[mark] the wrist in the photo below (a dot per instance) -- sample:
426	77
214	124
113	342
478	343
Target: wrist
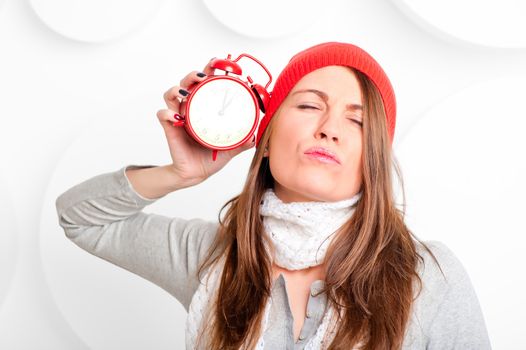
178	182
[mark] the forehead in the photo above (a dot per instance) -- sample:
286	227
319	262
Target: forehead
333	80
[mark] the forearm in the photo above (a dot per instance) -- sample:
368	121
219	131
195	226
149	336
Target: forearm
155	182
103	215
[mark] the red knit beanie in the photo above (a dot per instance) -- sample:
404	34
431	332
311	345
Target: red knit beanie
331	54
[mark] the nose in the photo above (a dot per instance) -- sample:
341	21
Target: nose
329	127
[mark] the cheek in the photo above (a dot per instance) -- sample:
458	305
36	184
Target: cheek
354	171
281	158
354	166
286	138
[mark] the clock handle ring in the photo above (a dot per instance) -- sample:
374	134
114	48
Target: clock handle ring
258	62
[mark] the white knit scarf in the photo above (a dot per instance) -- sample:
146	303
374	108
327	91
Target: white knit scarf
300	233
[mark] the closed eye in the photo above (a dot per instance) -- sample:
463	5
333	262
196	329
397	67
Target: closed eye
312	107
357	122
306	107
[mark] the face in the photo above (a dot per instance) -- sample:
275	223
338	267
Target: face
321	114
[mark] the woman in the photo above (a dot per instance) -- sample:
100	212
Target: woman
313	253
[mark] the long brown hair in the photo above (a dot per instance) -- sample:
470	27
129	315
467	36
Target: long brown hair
371	264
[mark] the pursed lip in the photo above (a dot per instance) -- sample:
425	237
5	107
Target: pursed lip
323	152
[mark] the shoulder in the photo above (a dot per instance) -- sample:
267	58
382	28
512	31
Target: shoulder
442	280
447	313
439	268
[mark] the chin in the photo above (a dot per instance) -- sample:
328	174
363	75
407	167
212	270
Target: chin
308	192
308	184
319	191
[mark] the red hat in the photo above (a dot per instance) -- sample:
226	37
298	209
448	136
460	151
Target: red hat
330	54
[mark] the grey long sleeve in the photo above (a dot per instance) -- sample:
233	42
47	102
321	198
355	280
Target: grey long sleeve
103	215
451	312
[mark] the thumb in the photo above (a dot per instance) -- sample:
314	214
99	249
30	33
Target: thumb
251	142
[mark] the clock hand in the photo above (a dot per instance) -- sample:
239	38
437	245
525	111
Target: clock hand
222	110
224	98
228	103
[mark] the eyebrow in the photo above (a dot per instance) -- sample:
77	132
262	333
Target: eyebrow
325	97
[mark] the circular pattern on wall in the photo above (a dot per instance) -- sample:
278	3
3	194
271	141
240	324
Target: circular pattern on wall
464	168
95	20
496	23
267	19
8	241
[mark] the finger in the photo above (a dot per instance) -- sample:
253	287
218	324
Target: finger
176	136
208	70
191	79
251	142
169	116
173	97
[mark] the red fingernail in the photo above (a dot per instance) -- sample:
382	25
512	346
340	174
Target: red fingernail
179	120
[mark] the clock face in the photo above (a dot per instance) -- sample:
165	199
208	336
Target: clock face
222	112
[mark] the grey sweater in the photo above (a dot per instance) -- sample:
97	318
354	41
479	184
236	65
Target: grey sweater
103	215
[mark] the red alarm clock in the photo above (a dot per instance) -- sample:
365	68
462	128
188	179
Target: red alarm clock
222	111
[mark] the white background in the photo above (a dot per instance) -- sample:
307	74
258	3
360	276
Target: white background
81	81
